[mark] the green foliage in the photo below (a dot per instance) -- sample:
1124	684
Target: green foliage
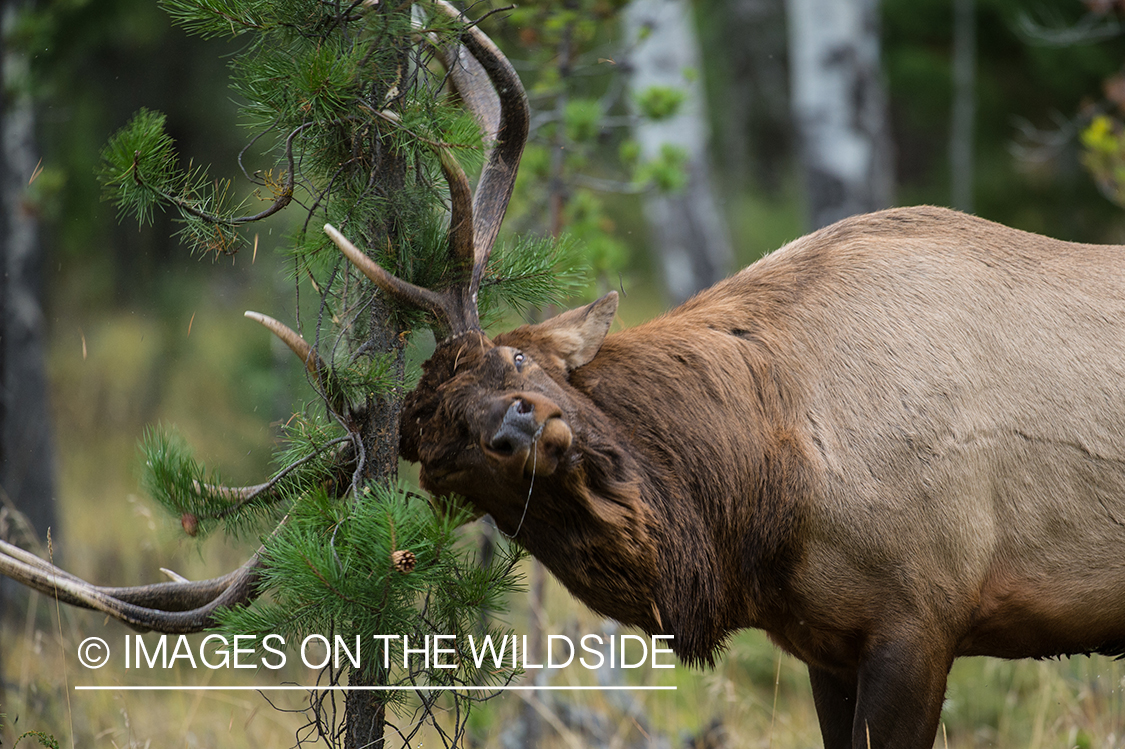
534	272
583	119
44	739
1104	155
667	172
219	18
579	159
139	172
315	91
660	102
141	152
589	223
331	569
348	124
629	152
309	460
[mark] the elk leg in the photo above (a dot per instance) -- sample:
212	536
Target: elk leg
834	694
901	690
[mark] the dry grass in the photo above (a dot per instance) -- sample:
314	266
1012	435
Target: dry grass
760	697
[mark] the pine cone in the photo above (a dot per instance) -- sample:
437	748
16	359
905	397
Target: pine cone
190	523
404	561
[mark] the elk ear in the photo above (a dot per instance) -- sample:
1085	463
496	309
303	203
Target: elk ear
576	335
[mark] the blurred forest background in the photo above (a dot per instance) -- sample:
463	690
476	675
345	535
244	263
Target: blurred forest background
1006	108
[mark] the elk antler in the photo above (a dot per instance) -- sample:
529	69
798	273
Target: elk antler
179	607
291	338
475	222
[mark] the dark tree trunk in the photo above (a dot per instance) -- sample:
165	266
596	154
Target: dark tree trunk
365	711
964	104
27	464
379	334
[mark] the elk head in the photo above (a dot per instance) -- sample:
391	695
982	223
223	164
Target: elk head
508	403
489	418
495	419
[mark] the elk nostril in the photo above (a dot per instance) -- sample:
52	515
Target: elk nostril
517	430
502	444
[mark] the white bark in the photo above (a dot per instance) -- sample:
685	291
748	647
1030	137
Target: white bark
839	107
687	228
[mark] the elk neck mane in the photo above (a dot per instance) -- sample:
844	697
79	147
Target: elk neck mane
681	523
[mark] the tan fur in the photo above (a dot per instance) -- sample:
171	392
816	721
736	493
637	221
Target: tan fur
895	441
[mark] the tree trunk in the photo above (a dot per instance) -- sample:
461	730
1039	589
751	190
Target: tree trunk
748	74
365	711
27	465
687	228
380	334
964	104
839	107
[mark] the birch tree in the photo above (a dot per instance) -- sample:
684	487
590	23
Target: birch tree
839	107
686	224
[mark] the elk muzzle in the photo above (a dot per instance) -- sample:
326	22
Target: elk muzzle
530	435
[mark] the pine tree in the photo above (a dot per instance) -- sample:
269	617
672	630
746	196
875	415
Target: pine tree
346	109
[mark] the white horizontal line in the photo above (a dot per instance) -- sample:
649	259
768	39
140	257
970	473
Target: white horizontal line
314	688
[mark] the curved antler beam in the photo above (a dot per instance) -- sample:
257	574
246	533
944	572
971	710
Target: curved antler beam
170	607
498	178
500	107
470	82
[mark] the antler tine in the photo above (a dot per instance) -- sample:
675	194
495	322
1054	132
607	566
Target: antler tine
461	230
494	189
461	209
171	607
405	292
291	338
475	221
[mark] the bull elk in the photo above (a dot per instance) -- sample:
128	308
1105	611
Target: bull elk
890	443
893	442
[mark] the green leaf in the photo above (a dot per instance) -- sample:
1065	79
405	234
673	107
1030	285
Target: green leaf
660	102
583	119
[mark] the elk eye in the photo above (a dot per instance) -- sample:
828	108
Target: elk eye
519	360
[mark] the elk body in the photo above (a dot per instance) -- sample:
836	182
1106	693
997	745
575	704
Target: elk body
891	443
